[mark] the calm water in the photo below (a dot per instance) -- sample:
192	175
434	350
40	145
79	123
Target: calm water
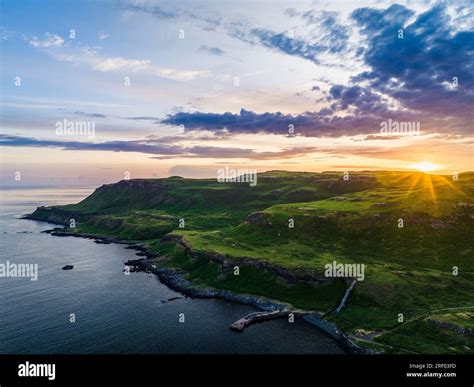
115	313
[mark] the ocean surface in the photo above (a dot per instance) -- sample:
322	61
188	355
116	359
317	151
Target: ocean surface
114	312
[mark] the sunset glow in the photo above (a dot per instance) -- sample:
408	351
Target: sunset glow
308	87
425	166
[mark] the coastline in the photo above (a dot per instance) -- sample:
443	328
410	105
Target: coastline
177	282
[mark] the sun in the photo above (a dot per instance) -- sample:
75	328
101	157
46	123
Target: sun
424	166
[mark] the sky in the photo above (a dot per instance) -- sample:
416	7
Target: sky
94	91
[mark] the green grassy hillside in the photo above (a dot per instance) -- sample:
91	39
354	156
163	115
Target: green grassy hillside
282	232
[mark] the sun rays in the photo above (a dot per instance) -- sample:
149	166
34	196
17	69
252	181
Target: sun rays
429	187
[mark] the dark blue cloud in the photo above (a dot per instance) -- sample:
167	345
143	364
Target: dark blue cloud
331	33
332	39
280	41
322	123
375	21
409	78
245	121
418	69
363	99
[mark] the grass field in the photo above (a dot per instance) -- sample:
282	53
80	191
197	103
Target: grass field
412	231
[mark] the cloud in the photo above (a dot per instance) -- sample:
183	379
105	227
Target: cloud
91	51
206	22
211	50
101	115
103	36
5	34
90	57
410	79
363	99
137	118
156	147
181	75
50	40
244	122
326	28
91	115
146	66
281	42
288	45
324	35
324	123
378	137
311	124
238	153
142	118
142	146
415	70
148	7
122	64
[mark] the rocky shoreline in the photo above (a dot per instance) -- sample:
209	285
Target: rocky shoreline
177	282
